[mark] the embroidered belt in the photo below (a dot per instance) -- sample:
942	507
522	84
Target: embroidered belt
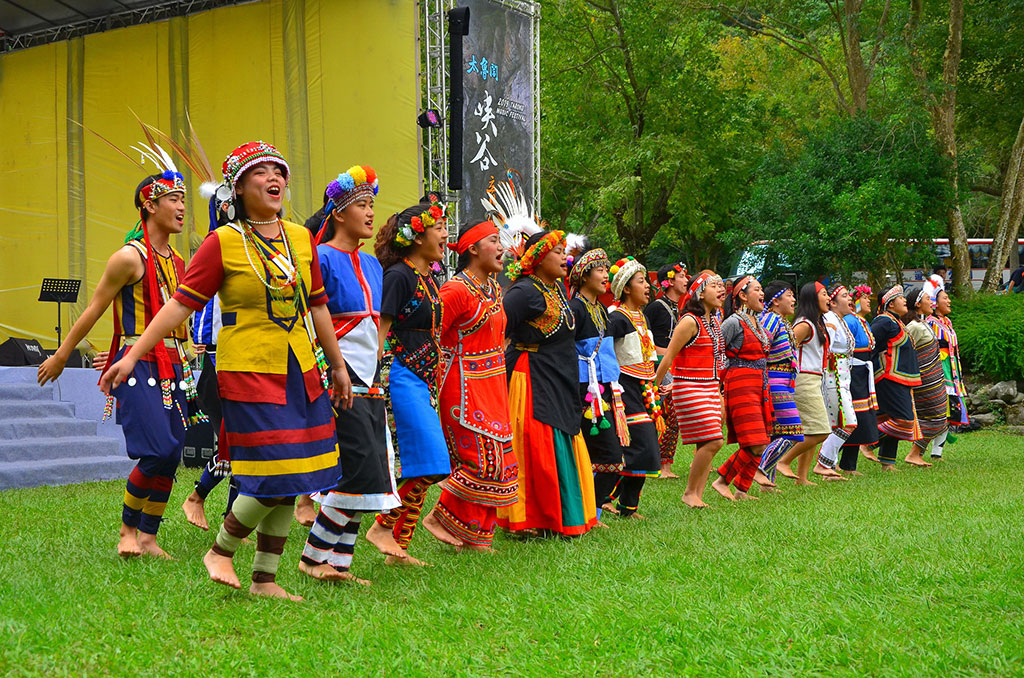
532	348
758	364
169	343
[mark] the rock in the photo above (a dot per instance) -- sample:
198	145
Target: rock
984	419
1003	390
1015	430
1015	415
1019	398
979	406
996	404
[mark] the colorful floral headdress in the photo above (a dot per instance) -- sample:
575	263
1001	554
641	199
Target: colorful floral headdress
355	183
622	272
533	255
406	233
671	274
860	291
584	264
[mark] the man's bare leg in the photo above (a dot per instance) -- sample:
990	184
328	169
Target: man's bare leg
305	511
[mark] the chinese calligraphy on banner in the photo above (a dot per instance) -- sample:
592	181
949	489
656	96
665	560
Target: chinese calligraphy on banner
498	133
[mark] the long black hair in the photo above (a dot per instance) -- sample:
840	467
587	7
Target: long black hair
387	251
913	297
807	308
314	222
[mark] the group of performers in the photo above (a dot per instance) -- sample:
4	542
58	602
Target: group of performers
539	387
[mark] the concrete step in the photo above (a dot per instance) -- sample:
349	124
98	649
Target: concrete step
10	391
22	409
69	447
36	473
45	427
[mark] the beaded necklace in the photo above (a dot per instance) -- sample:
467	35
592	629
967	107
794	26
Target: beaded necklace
639	321
747	318
283	303
490	293
867	330
600	319
428	286
714	330
548	323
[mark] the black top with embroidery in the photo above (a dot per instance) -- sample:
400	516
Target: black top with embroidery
544	331
661	320
414	303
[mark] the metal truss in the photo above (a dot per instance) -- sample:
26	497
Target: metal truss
128	17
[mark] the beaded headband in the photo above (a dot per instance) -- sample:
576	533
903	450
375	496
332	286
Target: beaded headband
247	155
743	283
169	182
835	293
533	255
473	236
775	297
622	272
698	284
356	182
584	264
892	293
406	233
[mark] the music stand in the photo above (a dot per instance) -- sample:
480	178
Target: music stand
61	290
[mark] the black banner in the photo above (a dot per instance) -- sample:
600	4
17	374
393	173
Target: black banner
498	110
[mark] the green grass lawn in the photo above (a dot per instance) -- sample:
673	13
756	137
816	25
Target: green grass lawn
915	573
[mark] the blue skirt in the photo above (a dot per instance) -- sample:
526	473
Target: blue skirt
283	450
151	431
421	446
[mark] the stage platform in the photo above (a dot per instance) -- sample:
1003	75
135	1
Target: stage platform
53	435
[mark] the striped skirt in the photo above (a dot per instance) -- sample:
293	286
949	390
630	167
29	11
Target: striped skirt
283	450
786	423
931	402
698	409
748	413
896	417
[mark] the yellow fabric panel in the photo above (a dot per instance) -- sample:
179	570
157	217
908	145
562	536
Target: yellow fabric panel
229	68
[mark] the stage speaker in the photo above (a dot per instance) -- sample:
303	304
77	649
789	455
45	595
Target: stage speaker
16	352
199	445
458	28
75	360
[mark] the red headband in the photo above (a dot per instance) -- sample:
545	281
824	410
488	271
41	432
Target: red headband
473	236
818	286
739	287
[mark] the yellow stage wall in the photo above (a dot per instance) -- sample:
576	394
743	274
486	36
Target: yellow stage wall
331	83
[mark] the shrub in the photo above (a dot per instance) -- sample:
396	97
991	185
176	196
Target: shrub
991	333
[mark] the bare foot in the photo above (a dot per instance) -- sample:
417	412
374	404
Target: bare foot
771	489
271	589
666	472
823	470
323	571
128	544
785	470
722	488
610	508
854	473
221	569
482	548
600	524
434	527
384	540
635	516
916	460
407	560
305	511
868	454
762	480
806	482
889	467
743	496
147	542
694	502
194	511
348	576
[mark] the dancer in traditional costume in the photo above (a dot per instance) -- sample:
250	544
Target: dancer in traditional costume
271	370
949	354
556	483
696	357
353	281
474	395
410	327
811	341
662	315
836	384
896	374
781	367
931	403
634	349
862	383
603	420
745	385
154	400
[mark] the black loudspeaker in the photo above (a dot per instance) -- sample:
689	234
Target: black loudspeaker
458	28
199	445
75	360
17	352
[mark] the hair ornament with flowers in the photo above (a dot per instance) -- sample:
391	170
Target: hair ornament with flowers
533	255
406	233
860	291
671	274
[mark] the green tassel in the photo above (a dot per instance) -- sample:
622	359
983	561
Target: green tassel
605	424
135	233
593	430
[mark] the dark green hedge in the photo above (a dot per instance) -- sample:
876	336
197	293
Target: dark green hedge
991	333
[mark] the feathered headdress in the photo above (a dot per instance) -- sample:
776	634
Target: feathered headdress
510	211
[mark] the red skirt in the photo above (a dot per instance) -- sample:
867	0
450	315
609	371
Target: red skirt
747	407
